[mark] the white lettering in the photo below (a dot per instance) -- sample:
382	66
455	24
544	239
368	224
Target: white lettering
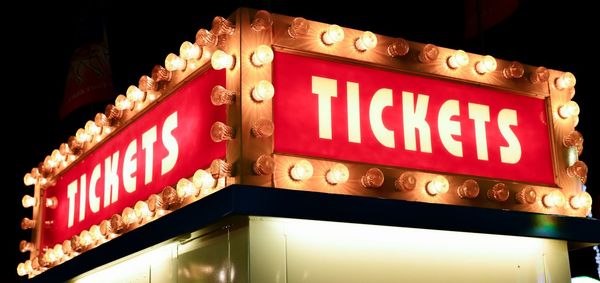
148	140
325	89
381	99
512	153
170	144
82	199
480	114
129	167
414	119
111	179
448	128
71	191
94	200
353	112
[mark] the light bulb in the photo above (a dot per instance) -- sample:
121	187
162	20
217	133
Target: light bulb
539	75
113	114
21	269
134	94
458	59
221	60
49	162
170	197
569	109
28	201
85	239
189	51
262	55
58	157
128	216
221	95
566	80
29	180
146	84
82	136
160	74
299	27
206	38
222	26
366	41
486	65
262	128
66	152
373	178
220	168
333	34
91	129
123	103
95	233
25	246
203	180
58	250
554	199
185	188
174	63
156	203
263	90
437	185
578	170
528	195
141	210
117	224
406	182
27	223
499	192
301	171
574	139
398	47
581	200
514	71
105	228
469	189
66	247
429	53
221	132
337	174
264	165
262	20
28	266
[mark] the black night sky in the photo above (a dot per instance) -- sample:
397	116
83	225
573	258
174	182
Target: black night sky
140	34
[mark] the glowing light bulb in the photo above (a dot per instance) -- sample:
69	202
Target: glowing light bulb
66	247
437	185
566	80
262	91
29	180
123	103
25	246
578	170
581	200
262	55
221	60
264	165
185	188
398	47
429	53
134	94
221	95
58	251
499	192
262	128
574	139
458	59
486	65
91	129
21	271
221	132
206	38
469	189
50	163
170	197
27	223
141	210
373	178
174	63
333	34
128	216
262	20
301	171
95	234
28	201
406	182
203	180
82	136
189	51
539	75
160	74
299	27
58	157
514	71
366	41
554	199
338	174
85	239
220	168
568	110
222	26
527	195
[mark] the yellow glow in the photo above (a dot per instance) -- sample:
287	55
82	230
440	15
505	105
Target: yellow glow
202	180
554	199
186	188
29	180
263	90
95	233
189	51
373	178
85	238
569	109
141	210
82	136
174	63
486	65
333	34
134	94
21	271
262	55
566	80
302	170
57	156
123	103
437	185
581	200
28	201
366	41
221	60
58	251
459	59
338	174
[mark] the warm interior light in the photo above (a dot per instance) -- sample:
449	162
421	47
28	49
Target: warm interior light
459	59
527	195
123	103
96	234
221	132
514	71
263	90
299	27
406	182
185	188
337	174
128	216
29	180
58	157
66	247
398	47
569	109
189	51
469	189
581	200
373	178
27	223
437	185
539	75
203	180
141	210
262	55
264	165
28	201
262	128
134	94
58	251
486	65
366	41
205	38
221	60
566	80
82	136
333	34
499	192
50	163
21	271
301	171
221	95
553	199
429	53
85	238
262	20
578	170
574	139
220	168
174	63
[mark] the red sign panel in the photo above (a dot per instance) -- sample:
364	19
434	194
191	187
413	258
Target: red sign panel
354	113
167	143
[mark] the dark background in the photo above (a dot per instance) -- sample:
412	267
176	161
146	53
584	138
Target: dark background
40	40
